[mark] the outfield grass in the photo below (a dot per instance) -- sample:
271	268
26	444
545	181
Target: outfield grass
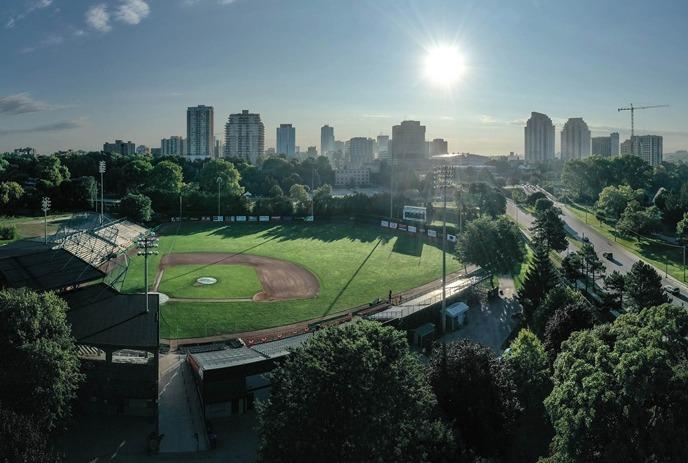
232	281
29	227
659	254
354	264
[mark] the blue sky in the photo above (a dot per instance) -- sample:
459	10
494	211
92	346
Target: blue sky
77	73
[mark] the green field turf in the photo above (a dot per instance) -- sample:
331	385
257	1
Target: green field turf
354	263
29	227
179	281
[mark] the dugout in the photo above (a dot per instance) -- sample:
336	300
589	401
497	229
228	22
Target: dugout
227	380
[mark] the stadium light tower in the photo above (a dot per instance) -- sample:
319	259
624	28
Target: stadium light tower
45	207
444	175
101	170
219	184
147	244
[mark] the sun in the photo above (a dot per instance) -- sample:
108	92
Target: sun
444	65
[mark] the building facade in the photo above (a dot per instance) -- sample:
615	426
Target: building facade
647	147
244	136
539	138
351	177
286	140
173	146
575	139
383	147
200	129
360	152
120	147
614	140
438	146
601	146
408	142
326	140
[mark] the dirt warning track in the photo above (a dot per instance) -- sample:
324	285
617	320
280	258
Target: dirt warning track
281	279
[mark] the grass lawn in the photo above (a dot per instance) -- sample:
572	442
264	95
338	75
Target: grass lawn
355	263
29	227
655	252
520	272
232	281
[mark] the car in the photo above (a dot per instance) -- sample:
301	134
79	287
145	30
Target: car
608	255
585	239
672	290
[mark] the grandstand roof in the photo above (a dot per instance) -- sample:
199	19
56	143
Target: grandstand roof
40	268
100	316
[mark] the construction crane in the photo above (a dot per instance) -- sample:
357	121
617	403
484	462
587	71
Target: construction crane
632	109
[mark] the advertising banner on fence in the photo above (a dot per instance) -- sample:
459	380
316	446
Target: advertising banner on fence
218	218
432	233
276	218
411	229
451	238
402	226
393	225
252	218
264	218
241	218
414	213
384	223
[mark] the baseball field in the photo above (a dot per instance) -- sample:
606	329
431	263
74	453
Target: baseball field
267	275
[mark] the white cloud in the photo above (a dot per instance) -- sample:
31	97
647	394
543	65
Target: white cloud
54	127
226	2
98	18
36	5
132	11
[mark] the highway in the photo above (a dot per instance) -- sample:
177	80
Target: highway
623	259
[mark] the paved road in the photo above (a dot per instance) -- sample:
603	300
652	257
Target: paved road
623	259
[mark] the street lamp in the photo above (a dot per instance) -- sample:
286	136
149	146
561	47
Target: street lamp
443	178
147	244
219	183
101	170
45	207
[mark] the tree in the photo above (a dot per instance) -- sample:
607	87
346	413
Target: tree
592	264
299	194
226	172
638	219
540	278
39	368
493	244
136	207
10	192
548	228
477	391
542	205
528	360
22	440
135	173
275	191
682	229
572	266
166	176
621	390
351	394
556	298
613	200
643	287
615	285
563	322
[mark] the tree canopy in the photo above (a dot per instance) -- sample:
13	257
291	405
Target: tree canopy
351	394
493	244
227	174
643	287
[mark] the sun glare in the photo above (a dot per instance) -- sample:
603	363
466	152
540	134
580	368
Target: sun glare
444	65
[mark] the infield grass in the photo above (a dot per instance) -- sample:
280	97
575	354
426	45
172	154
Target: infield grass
238	281
354	263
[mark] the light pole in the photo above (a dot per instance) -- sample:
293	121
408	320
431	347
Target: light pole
45	207
391	186
219	183
147	245
313	194
101	170
443	175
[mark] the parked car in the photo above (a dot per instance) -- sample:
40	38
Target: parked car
585	239
672	290
608	255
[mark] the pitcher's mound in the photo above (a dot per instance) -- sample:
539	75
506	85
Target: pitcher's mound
280	279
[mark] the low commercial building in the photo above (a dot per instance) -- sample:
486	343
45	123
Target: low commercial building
120	147
352	177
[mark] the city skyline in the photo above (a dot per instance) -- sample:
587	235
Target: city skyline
65	86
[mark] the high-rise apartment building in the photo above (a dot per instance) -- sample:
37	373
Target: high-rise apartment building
575	139
120	147
614	141
312	152
438	146
244	136
408	141
326	140
539	138
200	138
286	140
647	147
360	151
383	147
173	146
601	146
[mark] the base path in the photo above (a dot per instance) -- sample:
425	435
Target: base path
281	279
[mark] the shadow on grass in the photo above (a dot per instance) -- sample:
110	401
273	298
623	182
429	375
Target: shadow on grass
353	276
409	245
